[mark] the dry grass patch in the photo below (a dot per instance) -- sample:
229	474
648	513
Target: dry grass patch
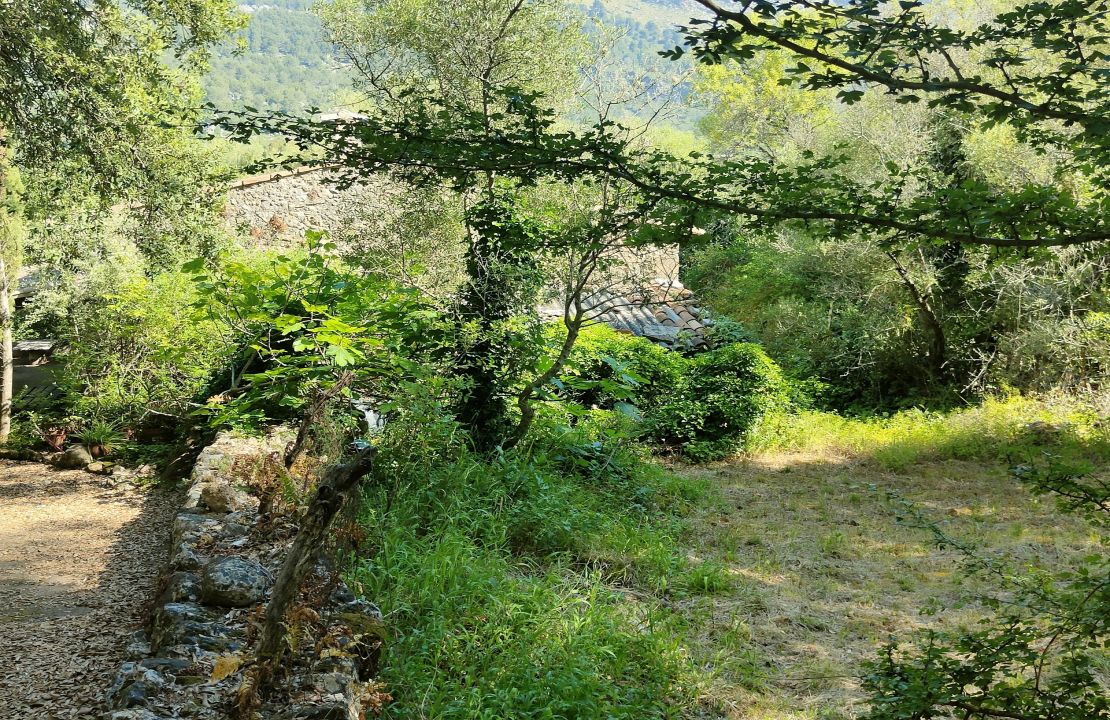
821	572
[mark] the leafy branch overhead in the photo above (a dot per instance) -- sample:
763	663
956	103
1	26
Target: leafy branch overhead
525	140
1042	61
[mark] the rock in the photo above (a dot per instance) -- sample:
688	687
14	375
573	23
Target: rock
222	498
178	624
234	582
368	630
337	664
333	684
234	531
184	559
194	529
133	686
180	628
182	587
220	639
342	708
166	665
139	647
75	458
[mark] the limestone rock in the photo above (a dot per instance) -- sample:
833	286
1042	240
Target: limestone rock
222	498
182	587
133	686
234	582
75	458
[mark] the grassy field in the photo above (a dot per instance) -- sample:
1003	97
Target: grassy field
576	579
809	570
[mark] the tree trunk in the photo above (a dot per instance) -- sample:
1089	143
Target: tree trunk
338	485
6	362
938	343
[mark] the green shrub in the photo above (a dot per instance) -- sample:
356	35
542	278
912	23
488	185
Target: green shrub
706	406
139	348
607	367
722	397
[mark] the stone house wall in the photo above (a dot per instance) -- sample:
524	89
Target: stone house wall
277	208
280	207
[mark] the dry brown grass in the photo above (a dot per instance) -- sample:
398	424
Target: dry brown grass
822	573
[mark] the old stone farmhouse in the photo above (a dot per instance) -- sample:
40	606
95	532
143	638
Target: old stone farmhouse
279	207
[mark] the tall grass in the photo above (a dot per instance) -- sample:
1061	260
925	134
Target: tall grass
530	585
1011	429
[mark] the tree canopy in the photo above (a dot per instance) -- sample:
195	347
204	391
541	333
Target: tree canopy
76	78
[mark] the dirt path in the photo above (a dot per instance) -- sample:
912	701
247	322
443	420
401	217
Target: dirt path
78	560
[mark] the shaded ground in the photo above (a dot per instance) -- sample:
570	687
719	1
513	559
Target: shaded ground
819	573
78	560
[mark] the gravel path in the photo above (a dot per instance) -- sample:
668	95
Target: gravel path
78	562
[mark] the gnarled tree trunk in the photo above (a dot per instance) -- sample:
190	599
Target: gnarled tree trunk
6	362
339	484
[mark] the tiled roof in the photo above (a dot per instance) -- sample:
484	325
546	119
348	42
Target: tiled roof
664	312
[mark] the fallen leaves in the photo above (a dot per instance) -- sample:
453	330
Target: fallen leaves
77	562
226	666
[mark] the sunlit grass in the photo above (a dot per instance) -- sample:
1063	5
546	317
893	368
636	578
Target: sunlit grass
823	571
1013	429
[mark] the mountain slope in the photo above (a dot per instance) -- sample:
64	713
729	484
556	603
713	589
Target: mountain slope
285	63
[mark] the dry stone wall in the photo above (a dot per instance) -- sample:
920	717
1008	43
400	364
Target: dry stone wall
278	208
224	558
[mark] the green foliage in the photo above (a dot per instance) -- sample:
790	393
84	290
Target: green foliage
81	86
280	61
607	367
1013	430
301	323
838	312
705	406
720	402
464	50
13	228
1041	653
101	433
470	556
137	347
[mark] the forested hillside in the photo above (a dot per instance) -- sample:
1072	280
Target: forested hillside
281	60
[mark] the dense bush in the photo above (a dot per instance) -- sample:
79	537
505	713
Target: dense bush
607	367
705	406
135	346
722	397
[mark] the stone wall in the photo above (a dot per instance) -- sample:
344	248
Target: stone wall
223	560
279	207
